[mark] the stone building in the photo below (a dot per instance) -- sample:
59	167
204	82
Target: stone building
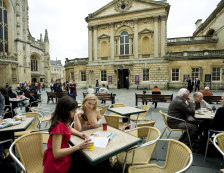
22	57
57	70
128	39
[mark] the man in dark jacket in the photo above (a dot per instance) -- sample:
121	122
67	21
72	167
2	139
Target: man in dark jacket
182	107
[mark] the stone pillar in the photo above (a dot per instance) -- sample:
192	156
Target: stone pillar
95	43
112	41
163	35
136	38
90	44
156	37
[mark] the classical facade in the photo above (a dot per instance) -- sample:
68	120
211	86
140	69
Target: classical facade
22	57
57	70
128	39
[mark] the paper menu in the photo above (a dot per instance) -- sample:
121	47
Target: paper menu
99	141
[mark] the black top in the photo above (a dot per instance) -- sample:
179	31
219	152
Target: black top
217	122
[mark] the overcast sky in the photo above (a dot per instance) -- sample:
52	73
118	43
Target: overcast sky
67	29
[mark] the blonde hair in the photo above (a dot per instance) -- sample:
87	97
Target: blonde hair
89	97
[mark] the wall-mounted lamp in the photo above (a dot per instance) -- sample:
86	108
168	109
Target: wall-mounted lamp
91	71
158	68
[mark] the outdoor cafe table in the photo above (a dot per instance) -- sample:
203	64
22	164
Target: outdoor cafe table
15	102
208	115
126	110
119	143
16	128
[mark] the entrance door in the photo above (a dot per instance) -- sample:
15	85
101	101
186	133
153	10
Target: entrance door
122	74
34	80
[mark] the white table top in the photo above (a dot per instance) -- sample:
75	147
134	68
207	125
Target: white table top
126	111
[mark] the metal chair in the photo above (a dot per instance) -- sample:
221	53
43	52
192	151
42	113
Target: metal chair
8	110
171	130
179	158
30	152
220	139
140	154
210	140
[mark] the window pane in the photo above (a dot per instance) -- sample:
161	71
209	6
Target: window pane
126	49
1	32
121	40
0	15
124	33
6	47
5	17
121	49
126	39
6	33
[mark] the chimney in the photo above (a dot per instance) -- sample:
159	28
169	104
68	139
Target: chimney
198	23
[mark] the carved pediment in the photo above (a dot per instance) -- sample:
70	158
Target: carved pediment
103	36
146	31
118	7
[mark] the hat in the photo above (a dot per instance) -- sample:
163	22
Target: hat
206	88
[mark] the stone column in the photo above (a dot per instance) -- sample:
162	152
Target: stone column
90	45
136	38
112	40
156	37
163	35
95	43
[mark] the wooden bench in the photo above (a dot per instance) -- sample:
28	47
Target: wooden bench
103	96
211	99
55	95
152	98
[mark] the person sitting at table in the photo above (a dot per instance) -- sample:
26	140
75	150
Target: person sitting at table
7	108
182	107
199	102
217	122
57	157
155	90
90	90
206	92
33	100
89	116
11	94
22	96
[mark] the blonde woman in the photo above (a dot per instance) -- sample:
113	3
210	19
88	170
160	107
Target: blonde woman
89	116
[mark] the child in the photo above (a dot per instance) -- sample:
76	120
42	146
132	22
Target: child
89	116
57	157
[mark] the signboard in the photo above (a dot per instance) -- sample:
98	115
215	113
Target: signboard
110	79
207	77
137	79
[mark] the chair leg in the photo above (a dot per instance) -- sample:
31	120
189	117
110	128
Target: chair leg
206	149
163	132
166	141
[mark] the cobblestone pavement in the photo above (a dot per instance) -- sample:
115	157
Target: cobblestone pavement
127	97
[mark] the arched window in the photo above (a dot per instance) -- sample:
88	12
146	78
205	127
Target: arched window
34	64
3	27
124	43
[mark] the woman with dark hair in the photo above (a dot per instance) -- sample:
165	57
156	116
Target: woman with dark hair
57	157
7	108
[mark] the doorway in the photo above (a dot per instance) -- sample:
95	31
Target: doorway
122	74
34	80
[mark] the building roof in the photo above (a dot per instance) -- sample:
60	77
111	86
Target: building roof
56	62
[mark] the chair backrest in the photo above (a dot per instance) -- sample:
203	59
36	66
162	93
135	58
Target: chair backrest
179	156
164	118
143	153
220	139
112	120
30	151
143	132
117	105
103	109
144	114
34	123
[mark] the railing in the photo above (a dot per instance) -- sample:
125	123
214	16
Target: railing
36	43
196	53
191	39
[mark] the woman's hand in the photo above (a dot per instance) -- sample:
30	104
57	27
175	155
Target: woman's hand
83	135
86	144
94	124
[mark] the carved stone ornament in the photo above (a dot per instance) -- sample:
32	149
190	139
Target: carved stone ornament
124	23
123	5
